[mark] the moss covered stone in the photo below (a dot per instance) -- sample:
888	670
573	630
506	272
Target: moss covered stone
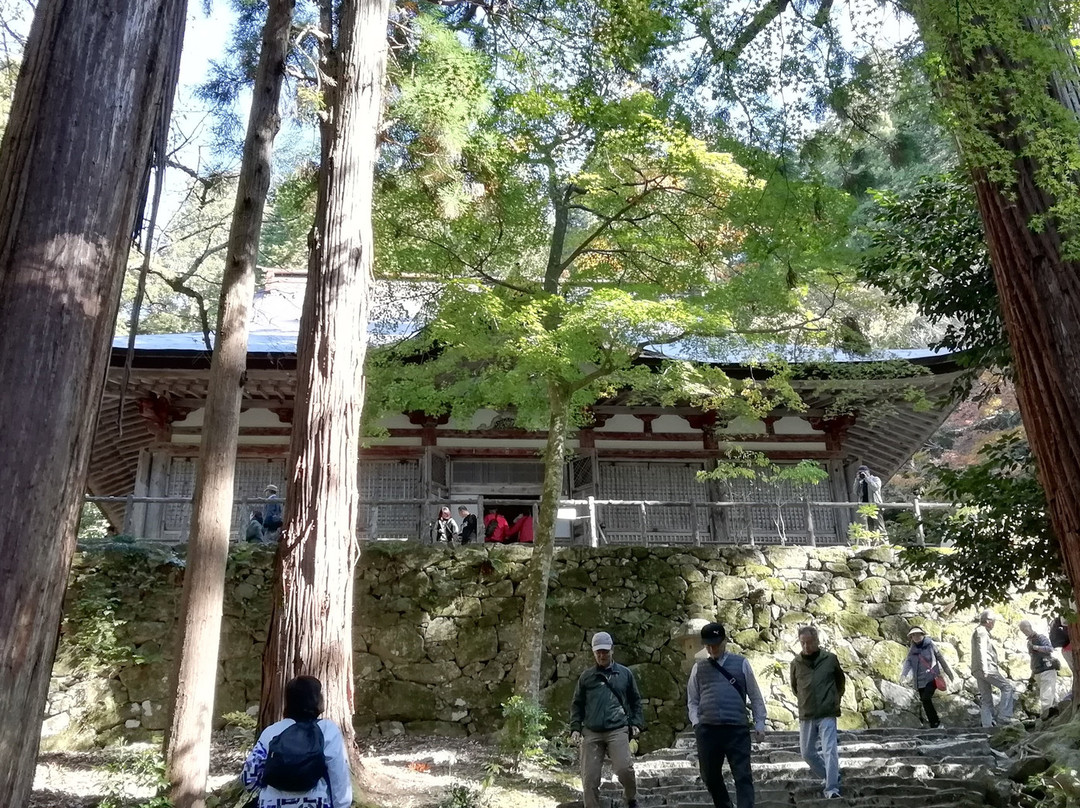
856	624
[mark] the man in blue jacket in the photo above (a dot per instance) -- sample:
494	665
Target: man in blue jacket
604	715
716	696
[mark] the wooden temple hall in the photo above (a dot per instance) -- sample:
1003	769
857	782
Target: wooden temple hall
638	464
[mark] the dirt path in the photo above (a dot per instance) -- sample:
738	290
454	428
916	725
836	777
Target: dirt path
402	772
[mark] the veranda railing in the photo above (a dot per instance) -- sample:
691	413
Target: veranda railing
587	518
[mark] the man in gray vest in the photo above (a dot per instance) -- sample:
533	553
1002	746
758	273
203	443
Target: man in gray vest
716	698
604	715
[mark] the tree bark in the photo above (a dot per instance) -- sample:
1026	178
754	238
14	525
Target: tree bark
188	747
311	622
1038	287
73	163
531	653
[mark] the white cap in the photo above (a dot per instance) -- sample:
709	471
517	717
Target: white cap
601	641
986	615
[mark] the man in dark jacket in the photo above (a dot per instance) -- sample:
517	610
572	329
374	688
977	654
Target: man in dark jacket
716	697
604	715
818	683
468	524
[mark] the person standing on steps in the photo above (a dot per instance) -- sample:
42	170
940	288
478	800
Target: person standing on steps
818	682
987	672
605	715
926	668
1044	667
716	695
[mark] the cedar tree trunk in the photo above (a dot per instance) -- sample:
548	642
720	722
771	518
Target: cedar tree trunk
1039	289
531	653
311	619
73	163
188	747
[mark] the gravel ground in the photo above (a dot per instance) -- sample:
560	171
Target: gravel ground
401	772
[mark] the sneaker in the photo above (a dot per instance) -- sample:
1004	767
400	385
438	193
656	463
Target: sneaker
631	804
832	795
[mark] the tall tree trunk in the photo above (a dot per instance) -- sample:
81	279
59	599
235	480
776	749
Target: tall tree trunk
188	747
1038	286
73	163
531	653
311	622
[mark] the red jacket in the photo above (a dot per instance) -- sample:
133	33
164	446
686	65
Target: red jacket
501	526
523	529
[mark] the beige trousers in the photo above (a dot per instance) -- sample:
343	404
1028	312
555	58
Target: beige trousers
594	746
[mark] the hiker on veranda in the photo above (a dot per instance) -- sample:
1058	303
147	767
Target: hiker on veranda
300	760
926	669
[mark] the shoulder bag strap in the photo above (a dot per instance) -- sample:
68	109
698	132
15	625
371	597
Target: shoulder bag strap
615	692
729	678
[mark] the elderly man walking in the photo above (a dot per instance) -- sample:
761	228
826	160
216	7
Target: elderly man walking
604	715
818	682
1044	667
716	695
987	672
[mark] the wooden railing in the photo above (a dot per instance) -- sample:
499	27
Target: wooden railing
587	519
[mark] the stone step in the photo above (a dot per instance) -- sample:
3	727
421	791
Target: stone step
904	768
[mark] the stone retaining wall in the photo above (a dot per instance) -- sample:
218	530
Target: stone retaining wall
437	633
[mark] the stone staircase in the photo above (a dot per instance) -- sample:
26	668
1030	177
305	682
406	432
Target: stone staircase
880	768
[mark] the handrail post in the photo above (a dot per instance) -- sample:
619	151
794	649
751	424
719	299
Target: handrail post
810	523
920	533
129	505
644	523
594	536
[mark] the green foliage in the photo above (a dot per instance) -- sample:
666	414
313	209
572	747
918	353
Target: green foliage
859	532
522	737
93	625
463	796
1001	540
1003	70
927	249
92	523
240	720
139	768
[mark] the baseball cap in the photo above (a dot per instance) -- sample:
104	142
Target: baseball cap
601	641
988	614
713	633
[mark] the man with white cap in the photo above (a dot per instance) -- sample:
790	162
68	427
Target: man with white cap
716	695
987	672
604	715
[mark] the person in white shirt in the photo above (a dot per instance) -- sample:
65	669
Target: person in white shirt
303	703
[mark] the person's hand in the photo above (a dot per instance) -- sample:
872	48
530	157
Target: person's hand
634	732
575	737
759	735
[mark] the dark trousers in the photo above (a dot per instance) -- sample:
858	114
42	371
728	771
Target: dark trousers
926	694
716	742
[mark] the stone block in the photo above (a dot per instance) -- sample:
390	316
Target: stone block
727	587
429	673
792	558
477	645
401	643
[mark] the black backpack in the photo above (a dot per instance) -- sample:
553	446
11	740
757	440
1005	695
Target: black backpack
295	759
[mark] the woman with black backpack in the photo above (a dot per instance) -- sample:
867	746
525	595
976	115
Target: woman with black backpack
301	755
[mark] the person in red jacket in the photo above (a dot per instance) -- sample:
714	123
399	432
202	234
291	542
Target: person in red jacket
521	530
495	526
